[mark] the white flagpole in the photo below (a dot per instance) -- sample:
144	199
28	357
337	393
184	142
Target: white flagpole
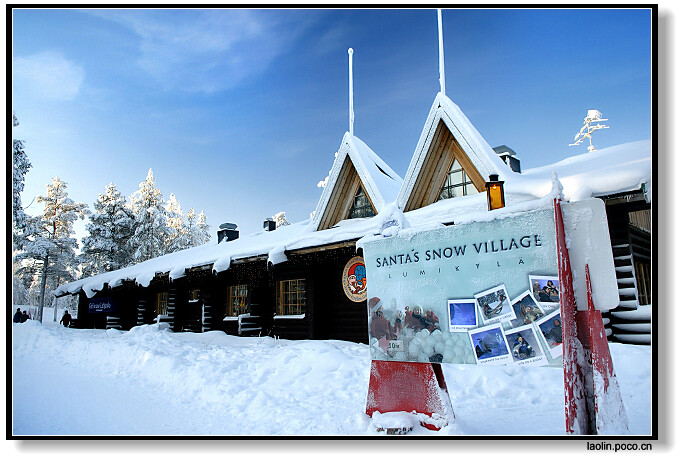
441	52
351	93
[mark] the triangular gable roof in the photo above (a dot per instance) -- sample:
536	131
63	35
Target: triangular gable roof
473	145
380	183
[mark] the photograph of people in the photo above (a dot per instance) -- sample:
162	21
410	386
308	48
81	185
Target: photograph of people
494	305
526	309
546	290
552	331
525	346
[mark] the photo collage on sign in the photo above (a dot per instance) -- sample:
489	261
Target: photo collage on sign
415	333
523	331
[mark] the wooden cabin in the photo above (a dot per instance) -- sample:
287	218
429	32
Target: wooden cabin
294	282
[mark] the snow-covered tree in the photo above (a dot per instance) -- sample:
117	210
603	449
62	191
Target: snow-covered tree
280	220
178	235
20	166
151	232
49	249
202	228
20	293
196	228
111	226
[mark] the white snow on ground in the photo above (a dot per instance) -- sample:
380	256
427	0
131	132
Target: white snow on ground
150	381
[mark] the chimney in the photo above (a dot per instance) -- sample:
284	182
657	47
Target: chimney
508	156
269	225
227	231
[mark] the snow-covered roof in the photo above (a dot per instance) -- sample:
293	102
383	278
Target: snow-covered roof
612	170
473	144
379	180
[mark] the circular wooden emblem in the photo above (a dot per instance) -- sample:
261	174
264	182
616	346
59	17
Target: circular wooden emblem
354	279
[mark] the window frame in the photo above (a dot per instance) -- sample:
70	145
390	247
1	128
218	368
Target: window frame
162	303
456	188
358	211
242	300
299	291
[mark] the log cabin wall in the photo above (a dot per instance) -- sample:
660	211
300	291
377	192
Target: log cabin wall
126	316
632	257
253	274
330	313
293	328
327	312
85	318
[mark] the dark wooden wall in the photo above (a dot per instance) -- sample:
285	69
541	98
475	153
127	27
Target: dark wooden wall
329	313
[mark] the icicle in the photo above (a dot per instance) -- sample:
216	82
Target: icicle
441	53
351	93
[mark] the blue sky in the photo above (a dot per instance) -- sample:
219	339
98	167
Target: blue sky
239	112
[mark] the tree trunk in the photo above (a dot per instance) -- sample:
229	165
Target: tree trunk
54	303
43	282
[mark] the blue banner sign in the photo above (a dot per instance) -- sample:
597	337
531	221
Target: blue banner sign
102	305
476	293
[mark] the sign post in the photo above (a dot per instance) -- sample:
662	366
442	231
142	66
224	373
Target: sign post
410	387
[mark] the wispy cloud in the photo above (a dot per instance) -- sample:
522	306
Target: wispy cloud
48	75
208	50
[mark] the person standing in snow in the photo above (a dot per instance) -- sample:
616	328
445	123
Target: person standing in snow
24	316
17	317
66	319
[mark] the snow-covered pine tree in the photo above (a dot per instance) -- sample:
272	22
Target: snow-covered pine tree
149	239
20	293
196	228
48	249
111	226
203	228
20	166
177	239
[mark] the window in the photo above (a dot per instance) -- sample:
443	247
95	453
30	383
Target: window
291	297
162	303
643	279
457	183
237	300
194	295
361	207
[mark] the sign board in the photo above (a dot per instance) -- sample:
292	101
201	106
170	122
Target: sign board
477	293
354	279
102	305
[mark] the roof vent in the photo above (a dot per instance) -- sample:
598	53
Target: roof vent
227	231
508	156
269	225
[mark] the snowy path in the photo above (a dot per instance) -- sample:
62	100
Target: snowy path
152	382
